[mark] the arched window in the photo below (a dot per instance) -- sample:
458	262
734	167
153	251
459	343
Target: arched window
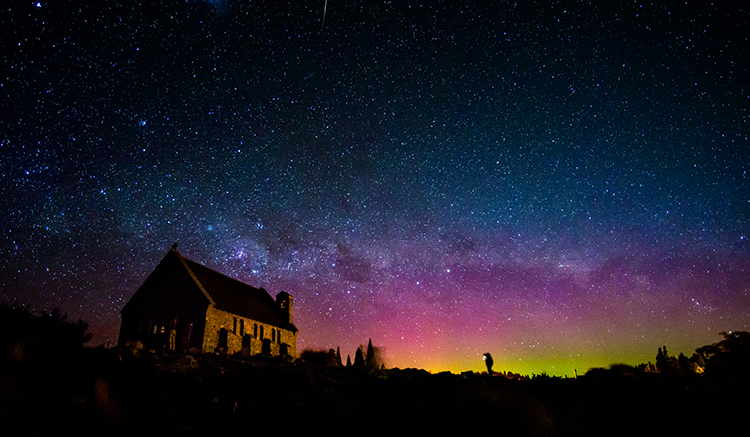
222	346
261	332
255	330
273	335
242	327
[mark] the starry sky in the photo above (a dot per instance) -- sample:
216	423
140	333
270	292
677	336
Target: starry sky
562	184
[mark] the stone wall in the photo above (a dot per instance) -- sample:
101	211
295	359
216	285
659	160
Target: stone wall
216	320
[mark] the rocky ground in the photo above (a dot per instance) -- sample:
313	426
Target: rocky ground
98	393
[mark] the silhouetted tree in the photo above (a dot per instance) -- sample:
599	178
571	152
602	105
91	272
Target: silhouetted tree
665	363
374	357
338	356
348	361
370	359
359	359
729	358
683	364
63	334
488	361
25	337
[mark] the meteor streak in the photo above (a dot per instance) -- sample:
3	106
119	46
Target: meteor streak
325	7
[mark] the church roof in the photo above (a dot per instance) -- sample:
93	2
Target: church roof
233	296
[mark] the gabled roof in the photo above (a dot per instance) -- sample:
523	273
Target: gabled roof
235	297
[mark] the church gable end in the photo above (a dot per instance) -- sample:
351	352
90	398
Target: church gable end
167	311
183	304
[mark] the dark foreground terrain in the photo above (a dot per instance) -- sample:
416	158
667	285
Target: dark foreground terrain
98	393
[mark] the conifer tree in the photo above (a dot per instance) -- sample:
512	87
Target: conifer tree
664	361
370	359
359	359
338	356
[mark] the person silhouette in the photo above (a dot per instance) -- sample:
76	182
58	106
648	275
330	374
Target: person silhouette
488	362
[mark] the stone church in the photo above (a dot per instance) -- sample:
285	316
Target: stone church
183	305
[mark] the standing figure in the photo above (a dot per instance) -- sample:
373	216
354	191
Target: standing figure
488	362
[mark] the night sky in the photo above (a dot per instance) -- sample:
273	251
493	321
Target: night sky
562	184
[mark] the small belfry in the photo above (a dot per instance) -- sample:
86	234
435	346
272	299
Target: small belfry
184	305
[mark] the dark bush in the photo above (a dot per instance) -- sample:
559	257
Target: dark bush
26	338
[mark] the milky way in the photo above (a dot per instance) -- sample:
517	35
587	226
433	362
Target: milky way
563	186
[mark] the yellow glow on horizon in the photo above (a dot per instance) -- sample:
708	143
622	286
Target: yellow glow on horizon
562	366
